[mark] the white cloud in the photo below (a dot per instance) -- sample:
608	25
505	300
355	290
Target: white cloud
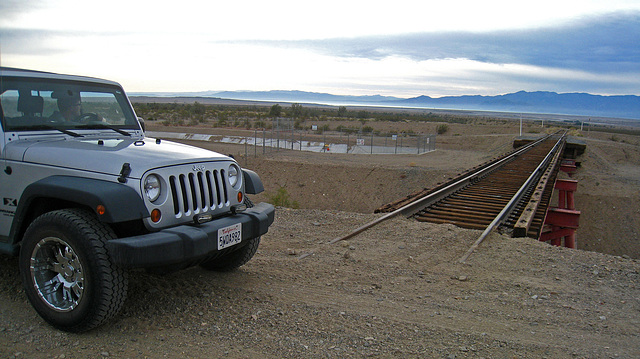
292	19
195	46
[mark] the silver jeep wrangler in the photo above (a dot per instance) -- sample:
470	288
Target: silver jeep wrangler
84	196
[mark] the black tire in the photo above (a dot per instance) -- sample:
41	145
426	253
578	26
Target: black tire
67	273
233	260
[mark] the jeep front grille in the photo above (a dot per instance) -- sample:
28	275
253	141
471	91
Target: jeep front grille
198	192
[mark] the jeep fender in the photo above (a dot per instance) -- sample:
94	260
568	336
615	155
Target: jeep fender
252	182
121	203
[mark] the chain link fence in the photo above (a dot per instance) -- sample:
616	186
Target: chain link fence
283	136
267	141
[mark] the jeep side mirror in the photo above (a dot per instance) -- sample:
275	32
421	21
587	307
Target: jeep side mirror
141	121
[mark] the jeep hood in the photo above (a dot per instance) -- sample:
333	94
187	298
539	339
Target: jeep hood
107	156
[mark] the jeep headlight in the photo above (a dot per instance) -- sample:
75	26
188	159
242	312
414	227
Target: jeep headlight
152	187
234	175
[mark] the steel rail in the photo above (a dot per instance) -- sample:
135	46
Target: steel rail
525	221
533	178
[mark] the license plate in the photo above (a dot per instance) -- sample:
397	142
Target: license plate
229	236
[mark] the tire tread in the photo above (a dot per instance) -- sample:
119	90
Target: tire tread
113	283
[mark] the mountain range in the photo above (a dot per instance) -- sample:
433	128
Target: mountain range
544	102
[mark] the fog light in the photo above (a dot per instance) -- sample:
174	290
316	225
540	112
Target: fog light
156	215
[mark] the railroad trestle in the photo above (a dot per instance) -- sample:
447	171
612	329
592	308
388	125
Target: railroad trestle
512	194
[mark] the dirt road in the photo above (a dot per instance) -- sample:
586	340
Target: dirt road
396	291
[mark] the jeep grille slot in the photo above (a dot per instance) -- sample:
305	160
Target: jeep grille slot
202	186
184	194
195	201
224	185
214	187
197	192
174	194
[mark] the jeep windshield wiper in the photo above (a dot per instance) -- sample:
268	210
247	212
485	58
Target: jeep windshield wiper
98	126
66	132
46	127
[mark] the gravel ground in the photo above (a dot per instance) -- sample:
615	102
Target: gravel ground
396	290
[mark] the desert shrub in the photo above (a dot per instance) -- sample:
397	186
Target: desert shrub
221	122
323	128
367	129
281	198
442	128
275	111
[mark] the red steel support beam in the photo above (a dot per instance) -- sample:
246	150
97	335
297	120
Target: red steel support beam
566	185
555	234
565	192
568	168
563	220
566	218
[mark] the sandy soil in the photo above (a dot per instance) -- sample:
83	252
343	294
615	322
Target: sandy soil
397	290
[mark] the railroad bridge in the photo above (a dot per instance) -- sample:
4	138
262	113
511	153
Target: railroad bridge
512	193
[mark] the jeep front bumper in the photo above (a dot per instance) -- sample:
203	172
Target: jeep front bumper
187	243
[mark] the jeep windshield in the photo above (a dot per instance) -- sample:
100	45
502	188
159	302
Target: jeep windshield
36	104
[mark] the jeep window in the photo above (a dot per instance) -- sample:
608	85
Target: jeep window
29	104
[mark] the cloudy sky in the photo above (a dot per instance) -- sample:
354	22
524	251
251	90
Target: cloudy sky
395	48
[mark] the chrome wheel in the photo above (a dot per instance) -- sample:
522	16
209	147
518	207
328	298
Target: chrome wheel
57	274
66	270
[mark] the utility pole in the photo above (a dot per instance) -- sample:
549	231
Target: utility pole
520	124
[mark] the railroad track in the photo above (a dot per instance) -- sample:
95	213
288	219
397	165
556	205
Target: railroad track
511	193
475	198
477	205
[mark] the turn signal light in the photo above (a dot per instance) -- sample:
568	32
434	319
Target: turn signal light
240	197
156	215
101	210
